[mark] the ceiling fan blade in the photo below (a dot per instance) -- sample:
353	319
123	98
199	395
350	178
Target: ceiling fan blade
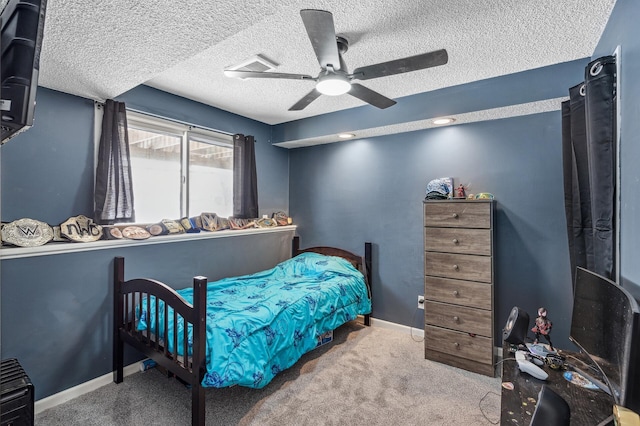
399	66
370	97
306	100
257	74
322	33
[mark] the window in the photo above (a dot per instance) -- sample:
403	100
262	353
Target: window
178	170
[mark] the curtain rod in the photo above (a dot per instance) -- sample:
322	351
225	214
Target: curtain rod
100	104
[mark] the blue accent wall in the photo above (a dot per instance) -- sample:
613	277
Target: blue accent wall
372	190
56	310
47	171
622	30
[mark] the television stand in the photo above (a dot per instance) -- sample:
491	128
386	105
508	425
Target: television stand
588	407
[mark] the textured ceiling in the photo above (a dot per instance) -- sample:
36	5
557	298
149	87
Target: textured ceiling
100	49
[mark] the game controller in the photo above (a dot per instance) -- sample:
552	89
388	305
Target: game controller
527	366
537	360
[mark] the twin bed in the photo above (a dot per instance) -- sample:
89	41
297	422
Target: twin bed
240	330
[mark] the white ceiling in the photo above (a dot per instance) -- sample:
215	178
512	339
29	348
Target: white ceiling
102	48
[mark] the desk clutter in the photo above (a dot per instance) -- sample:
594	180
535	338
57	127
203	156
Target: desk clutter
27	232
562	396
569	388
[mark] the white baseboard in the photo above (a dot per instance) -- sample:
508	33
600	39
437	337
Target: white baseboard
76	391
397	327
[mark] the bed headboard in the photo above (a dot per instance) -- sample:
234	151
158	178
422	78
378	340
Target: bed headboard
363	264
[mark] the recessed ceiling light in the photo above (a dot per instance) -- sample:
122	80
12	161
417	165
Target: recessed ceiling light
346	135
441	121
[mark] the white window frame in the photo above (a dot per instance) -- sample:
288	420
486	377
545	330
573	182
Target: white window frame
165	125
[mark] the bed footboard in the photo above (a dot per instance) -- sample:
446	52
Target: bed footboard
135	296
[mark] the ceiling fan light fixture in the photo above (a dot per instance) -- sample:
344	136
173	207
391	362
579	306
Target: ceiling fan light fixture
333	85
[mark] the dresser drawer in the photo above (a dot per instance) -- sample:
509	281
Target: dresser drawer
459	266
458	240
459	344
463	214
460	318
459	292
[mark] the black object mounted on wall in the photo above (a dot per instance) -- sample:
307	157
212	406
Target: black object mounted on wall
22	23
515	330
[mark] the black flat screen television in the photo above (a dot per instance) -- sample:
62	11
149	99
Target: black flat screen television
605	325
22	23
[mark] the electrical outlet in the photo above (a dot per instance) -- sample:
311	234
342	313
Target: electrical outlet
420	302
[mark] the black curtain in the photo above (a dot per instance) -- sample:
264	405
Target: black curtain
245	179
589	153
113	194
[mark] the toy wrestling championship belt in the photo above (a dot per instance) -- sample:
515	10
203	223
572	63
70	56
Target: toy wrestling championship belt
135	233
213	222
165	227
189	225
80	229
111	233
27	233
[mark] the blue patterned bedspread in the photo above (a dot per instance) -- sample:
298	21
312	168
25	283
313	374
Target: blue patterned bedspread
261	324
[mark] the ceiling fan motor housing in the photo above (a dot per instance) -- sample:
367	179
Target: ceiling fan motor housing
343	44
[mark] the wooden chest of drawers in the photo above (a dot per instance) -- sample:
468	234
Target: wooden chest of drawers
458	283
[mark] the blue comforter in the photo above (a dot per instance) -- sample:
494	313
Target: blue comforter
261	324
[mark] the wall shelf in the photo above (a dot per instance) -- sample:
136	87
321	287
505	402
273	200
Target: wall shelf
7	253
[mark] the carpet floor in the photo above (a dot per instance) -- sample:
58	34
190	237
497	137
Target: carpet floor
366	376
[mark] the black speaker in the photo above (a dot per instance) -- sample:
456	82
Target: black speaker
516	327
551	409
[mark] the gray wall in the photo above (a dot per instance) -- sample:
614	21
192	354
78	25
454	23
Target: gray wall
372	190
622	30
56	310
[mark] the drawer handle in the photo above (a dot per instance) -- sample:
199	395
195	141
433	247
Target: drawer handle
456	345
455	241
456	319
455	215
456	267
456	292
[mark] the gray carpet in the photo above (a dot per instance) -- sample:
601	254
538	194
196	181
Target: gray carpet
366	376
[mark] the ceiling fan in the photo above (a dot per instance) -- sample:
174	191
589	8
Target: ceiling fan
334	78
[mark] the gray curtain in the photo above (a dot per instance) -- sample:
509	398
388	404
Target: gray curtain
113	194
589	161
245	179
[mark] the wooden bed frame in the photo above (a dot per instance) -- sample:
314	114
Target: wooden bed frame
132	294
